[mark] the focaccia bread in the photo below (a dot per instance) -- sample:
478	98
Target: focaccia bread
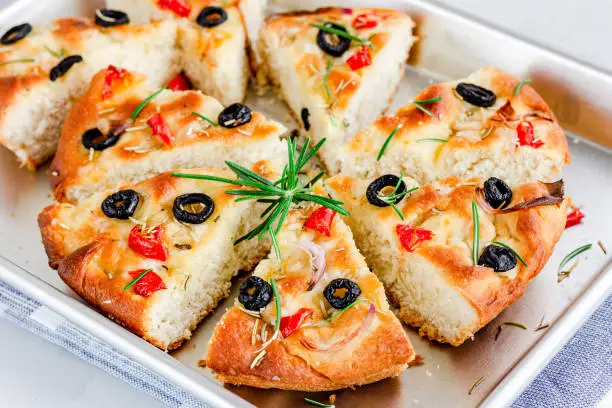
488	124
102	147
336	328
41	73
182	230
443	283
336	85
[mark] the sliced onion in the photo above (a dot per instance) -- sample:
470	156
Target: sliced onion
367	322
555	196
317	261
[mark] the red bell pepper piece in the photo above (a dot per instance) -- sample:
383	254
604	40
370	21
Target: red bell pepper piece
149	283
526	136
161	129
320	220
112	74
179	83
574	218
361	58
410	236
365	20
289	324
179	7
150	245
347	11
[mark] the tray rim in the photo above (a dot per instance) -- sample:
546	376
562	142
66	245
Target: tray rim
503	393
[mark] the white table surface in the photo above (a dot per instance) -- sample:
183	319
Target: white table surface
35	373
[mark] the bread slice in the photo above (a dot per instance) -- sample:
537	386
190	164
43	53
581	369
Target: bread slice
431	275
92	254
336	101
363	344
461	139
78	172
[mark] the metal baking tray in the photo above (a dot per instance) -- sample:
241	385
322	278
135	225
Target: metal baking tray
450	46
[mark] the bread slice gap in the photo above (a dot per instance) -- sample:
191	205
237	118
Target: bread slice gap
426	260
94	255
194	138
328	348
335	95
517	138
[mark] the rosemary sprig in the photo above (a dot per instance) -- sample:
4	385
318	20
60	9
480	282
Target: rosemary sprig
18	61
520	85
384	146
318	404
515	324
280	195
476	239
574	254
199	115
144	103
330	64
339	312
476	384
512	250
136	279
419	104
431	139
277	304
341	33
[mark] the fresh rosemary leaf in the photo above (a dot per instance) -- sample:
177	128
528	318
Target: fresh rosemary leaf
339	312
145	102
17	61
513	251
520	85
318	404
199	115
515	324
476	384
341	33
419	104
476	239
330	63
277	304
387	141
136	279
431	139
574	254
316	178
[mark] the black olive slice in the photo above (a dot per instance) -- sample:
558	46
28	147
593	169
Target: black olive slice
211	17
499	258
476	95
63	66
255	293
234	115
95	139
341	292
120	205
17	33
497	193
333	44
305	114
375	187
110	18
182	215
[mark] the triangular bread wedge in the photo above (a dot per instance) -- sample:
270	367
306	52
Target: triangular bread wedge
517	138
98	257
33	106
141	151
334	96
318	347
426	260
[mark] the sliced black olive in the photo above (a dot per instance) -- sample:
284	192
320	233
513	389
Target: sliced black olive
333	44
95	139
121	204
476	95
499	258
305	115
182	215
386	181
341	292
211	17
109	18
255	293
497	192
234	115
14	34
63	66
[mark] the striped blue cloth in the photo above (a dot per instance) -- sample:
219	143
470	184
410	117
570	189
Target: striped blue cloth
579	376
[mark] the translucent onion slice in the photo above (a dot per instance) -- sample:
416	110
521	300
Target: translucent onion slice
555	196
317	261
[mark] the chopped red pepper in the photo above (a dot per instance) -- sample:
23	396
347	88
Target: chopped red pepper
289	324
179	83
347	11
320	220
410	236
150	245
149	283
526	136
112	74
365	20
161	129
574	218
361	58
179	7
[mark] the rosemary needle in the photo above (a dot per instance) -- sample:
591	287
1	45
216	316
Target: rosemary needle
318	404
145	102
387	141
341	33
136	279
22	60
520	85
419	104
515	324
512	250
476	238
277	304
330	63
199	115
574	254
476	384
